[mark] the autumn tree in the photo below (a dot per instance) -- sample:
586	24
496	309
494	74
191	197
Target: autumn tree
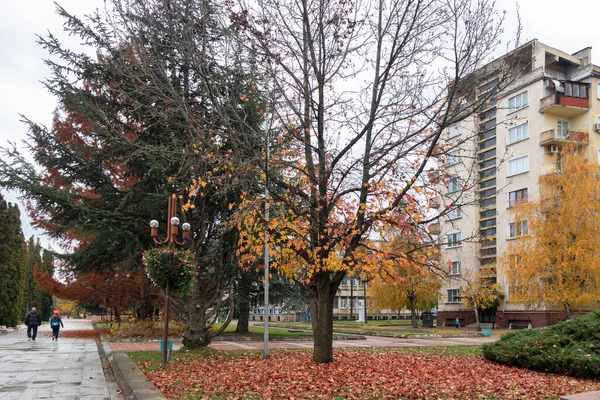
480	292
554	262
12	264
361	95
407	279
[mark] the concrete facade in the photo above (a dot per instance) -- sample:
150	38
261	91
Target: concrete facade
511	142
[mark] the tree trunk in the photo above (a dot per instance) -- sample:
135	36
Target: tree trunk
244	310
321	309
567	309
196	334
413	312
476	314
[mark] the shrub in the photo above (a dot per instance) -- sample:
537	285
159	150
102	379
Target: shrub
570	347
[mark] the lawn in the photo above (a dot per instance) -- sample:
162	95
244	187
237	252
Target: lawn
382	373
380	328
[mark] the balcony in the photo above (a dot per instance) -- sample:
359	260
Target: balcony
564	106
554	136
434	229
435	202
549	169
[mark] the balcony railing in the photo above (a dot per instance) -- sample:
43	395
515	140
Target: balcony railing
434	228
558	103
554	136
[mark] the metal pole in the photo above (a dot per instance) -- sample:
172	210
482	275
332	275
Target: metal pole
166	327
266	335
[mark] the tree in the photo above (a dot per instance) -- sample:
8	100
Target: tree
407	279
361	95
12	264
146	117
480	292
555	260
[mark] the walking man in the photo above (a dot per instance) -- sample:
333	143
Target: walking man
56	323
32	319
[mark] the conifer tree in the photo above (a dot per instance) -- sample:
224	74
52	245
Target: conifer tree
12	264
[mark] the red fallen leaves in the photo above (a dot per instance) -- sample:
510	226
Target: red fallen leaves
356	374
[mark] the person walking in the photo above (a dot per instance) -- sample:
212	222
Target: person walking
457	322
33	319
56	323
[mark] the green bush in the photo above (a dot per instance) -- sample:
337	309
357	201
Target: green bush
570	347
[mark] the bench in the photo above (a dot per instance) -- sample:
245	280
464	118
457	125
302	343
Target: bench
519	324
452	321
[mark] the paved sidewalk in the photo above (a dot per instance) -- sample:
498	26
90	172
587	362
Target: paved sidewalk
67	369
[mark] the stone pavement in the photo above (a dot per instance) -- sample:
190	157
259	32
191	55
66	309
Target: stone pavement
67	369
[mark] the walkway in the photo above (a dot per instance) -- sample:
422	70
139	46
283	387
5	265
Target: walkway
67	369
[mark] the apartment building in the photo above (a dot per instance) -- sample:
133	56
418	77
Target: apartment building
513	140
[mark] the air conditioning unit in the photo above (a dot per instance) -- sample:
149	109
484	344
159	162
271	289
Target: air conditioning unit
597	127
552	149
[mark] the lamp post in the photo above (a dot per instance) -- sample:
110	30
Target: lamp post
266	333
172	231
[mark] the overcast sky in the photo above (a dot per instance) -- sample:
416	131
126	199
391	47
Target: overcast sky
566	25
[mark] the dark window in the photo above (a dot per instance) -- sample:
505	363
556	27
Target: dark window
487	214
488	202
487	193
487	173
488	134
488	163
487	223
488	125
516	197
487	154
487	143
486	184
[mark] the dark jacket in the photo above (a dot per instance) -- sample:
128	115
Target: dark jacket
56	318
33	318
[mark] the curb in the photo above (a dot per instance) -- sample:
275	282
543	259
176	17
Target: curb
133	383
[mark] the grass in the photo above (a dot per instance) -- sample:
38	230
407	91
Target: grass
358	328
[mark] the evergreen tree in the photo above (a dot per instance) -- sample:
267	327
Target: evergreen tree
32	296
12	264
46	299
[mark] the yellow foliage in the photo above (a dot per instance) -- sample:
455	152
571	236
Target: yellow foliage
557	262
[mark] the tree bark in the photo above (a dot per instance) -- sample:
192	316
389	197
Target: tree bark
321	309
243	319
567	309
413	311
196	334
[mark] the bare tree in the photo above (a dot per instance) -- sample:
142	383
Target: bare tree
363	91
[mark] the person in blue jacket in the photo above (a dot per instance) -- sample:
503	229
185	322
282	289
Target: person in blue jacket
33	319
56	323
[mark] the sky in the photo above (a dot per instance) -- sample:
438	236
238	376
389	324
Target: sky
567	26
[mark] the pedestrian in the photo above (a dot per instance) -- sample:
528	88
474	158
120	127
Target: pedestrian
457	322
56	323
32	319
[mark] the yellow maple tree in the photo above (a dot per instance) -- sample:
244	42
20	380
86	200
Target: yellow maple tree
555	262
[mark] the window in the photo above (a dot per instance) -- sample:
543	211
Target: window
573	89
517	102
517	197
518	133
453	296
454	129
598	91
518	165
490	85
454	239
343	302
562	128
335	302
517	229
455	213
453	157
454	185
454	267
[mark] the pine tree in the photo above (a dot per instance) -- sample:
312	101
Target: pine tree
12	264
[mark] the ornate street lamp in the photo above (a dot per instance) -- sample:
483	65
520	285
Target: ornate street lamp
171	239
